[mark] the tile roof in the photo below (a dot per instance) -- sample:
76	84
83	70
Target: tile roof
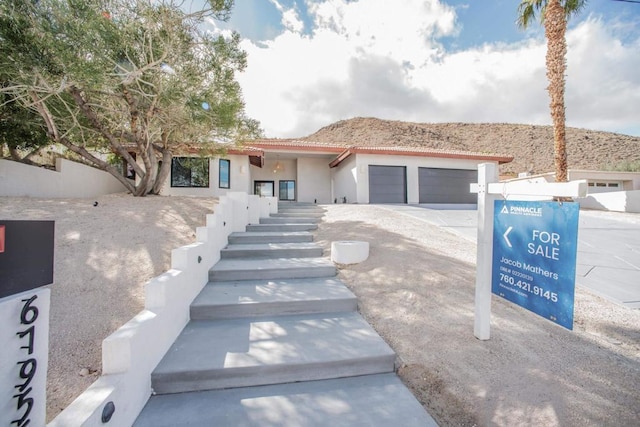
250	151
295	144
345	151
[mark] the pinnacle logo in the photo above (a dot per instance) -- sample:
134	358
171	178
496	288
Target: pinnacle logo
521	210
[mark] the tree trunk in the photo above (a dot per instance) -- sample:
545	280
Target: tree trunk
555	25
142	184
165	168
100	164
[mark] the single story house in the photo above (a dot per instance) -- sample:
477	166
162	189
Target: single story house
597	181
303	171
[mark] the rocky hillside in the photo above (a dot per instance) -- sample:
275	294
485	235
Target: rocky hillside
531	146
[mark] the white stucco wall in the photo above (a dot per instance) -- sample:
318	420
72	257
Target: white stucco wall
69	180
412	164
344	179
629	180
131	353
314	180
240	179
618	201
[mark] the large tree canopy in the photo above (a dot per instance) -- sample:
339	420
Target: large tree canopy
124	77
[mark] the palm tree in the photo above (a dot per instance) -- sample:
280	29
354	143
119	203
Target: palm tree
554	15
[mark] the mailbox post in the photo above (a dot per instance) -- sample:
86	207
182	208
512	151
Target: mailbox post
26	265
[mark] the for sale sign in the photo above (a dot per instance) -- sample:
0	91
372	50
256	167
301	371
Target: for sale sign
534	256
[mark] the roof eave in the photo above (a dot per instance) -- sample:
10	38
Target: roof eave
448	155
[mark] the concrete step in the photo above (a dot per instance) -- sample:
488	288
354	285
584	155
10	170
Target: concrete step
252	298
277	268
310	206
272	250
297	215
281	227
210	355
371	400
301	211
270	237
290	220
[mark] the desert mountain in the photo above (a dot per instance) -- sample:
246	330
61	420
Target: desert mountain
531	146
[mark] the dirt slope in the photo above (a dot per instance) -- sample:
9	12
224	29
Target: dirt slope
532	146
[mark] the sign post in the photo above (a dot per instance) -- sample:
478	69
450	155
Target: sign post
487	173
26	264
489	190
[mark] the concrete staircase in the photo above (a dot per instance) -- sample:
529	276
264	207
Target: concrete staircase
275	340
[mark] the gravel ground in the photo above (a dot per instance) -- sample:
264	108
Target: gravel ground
416	289
103	257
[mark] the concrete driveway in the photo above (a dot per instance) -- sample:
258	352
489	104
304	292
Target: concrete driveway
608	260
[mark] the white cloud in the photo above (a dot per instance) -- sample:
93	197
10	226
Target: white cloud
290	19
383	59
603	78
403	30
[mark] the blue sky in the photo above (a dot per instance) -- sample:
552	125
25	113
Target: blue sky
314	62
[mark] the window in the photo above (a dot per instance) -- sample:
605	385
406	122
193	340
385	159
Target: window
189	172
287	190
263	188
605	184
224	174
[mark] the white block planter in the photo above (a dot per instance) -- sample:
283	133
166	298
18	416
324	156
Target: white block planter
349	251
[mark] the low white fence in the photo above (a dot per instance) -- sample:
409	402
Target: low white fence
69	180
130	354
617	201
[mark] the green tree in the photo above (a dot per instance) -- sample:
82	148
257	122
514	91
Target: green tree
554	15
21	131
126	77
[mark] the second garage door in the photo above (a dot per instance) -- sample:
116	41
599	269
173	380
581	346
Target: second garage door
446	185
387	184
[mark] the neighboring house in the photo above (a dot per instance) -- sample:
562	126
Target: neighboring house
607	190
607	181
597	181
304	171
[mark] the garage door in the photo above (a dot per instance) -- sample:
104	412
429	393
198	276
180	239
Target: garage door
387	184
446	185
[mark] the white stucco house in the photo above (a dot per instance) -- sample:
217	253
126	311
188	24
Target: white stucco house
304	171
597	181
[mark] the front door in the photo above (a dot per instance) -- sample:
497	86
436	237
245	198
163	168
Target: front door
287	190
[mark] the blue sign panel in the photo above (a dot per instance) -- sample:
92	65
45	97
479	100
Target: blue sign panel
534	256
